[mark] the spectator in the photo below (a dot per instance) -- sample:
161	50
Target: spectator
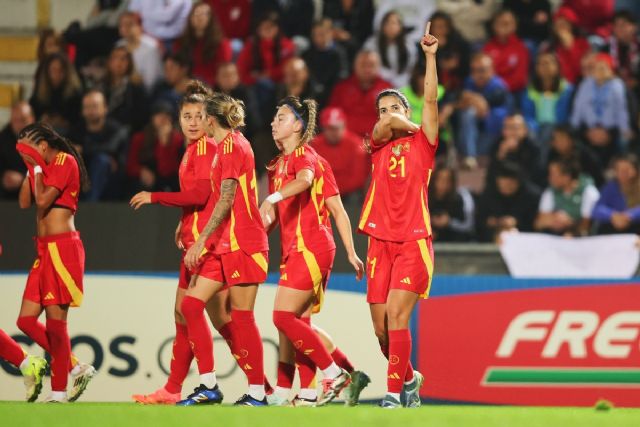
412	13
594	17
397	53
534	19
295	17
163	20
204	43
509	53
352	22
12	168
567	43
123	88
103	142
326	59
470	17
296	81
480	109
414	92
510	204
177	73
600	110
155	152
234	17
144	49
228	81
50	42
57	93
624	47
566	205
563	146
451	207
344	152
618	210
517	147
357	93
547	101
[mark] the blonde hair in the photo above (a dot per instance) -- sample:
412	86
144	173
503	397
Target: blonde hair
228	111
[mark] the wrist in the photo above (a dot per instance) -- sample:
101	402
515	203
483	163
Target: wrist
274	198
37	169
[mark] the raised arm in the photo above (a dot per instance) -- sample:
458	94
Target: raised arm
429	123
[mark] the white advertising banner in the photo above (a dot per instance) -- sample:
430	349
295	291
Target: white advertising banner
534	255
125	328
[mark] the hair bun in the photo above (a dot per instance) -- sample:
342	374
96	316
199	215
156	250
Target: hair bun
196	87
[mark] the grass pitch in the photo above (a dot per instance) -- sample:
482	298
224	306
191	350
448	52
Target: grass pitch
129	414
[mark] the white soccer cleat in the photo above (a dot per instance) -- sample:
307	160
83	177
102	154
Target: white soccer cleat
80	380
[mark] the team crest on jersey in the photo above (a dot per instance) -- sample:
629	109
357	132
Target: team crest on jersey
399	148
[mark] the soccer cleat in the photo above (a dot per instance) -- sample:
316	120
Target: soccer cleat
274	400
52	399
33	374
411	391
203	396
302	402
80	381
331	388
390	402
359	381
247	400
158	397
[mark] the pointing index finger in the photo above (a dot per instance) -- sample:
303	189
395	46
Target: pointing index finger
426	32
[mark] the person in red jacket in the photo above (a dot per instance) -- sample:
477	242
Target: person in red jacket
358	92
234	16
594	17
509	53
204	43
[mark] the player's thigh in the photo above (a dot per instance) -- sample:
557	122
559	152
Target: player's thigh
57	312
400	305
218	309
202	288
30	309
243	297
293	300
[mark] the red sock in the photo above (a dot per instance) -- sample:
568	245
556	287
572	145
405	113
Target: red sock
302	337
10	350
249	353
34	330
306	367
180	360
60	353
342	360
225	332
409	375
286	372
267	386
399	354
199	333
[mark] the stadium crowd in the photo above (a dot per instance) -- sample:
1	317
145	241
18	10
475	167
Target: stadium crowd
542	98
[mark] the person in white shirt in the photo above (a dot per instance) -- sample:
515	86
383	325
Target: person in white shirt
164	20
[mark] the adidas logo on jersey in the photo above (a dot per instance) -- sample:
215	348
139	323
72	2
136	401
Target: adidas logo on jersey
308	352
394	376
49	296
247	367
235	275
406	281
284	277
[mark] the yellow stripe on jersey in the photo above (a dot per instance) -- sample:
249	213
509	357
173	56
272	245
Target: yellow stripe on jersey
425	212
60	158
260	259
201	149
428	262
227	147
233	240
316	189
245	192
58	265
299	151
254	186
195	232
367	207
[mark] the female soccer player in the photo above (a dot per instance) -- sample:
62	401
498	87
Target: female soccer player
32	368
55	280
239	259
307	244
396	218
196	202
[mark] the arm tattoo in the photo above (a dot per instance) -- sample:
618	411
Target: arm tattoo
222	208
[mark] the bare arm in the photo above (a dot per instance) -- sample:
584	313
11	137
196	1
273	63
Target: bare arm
384	128
44	195
429	46
334	204
303	181
24	198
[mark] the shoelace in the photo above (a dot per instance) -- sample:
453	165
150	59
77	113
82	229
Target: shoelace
198	390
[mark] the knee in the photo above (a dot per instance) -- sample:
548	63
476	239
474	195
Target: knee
24	324
191	307
282	318
397	317
177	314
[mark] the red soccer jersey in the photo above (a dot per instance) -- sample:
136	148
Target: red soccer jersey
396	207
243	229
301	219
63	174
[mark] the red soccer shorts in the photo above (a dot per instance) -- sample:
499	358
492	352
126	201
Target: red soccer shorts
235	268
56	275
308	271
206	270
398	265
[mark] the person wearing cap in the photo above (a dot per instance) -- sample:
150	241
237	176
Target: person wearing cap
155	153
600	110
343	150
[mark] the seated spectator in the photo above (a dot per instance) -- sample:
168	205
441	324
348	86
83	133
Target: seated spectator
470	17
414	92
517	147
566	205
534	19
146	52
397	53
352	23
509	53
344	152
234	17
600	110
624	47
510	204
547	101
327	60
358	93
296	81
12	168
177	73
57	93
451	207
295	17
228	81
618	210
123	89
163	20
103	143
479	110
50	42
413	13
155	153
203	42
567	43
564	146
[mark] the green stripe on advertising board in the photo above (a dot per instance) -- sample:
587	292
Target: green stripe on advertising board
563	376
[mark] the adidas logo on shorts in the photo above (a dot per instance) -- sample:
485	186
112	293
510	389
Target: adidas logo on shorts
235	275
406	281
49	296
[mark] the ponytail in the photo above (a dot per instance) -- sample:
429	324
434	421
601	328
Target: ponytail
306	111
